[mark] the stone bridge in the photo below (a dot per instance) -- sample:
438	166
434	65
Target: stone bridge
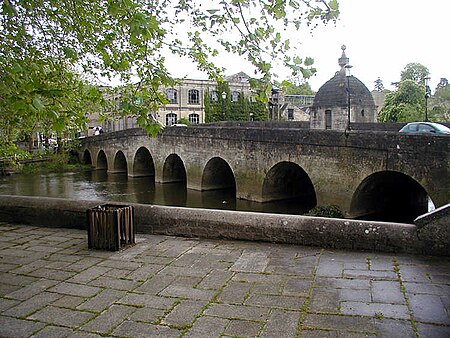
368	174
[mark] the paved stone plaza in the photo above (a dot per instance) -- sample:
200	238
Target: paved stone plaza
51	285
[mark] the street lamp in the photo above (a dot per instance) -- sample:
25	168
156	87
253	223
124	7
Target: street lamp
427	95
347	74
224	96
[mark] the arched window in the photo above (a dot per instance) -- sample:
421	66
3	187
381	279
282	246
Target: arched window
171	119
172	96
194	118
193	96
234	96
214	96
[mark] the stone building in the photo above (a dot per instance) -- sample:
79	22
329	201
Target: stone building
342	100
186	101
378	98
289	107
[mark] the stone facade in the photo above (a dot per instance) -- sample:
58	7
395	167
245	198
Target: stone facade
186	101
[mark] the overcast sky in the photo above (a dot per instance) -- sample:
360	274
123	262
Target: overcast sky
381	36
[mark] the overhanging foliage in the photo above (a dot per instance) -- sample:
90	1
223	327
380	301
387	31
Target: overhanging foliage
52	51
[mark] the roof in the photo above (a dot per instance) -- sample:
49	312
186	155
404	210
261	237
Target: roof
334	93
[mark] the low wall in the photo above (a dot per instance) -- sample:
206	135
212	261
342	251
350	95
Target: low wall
220	224
433	230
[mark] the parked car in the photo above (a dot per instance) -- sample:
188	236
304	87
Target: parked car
425	128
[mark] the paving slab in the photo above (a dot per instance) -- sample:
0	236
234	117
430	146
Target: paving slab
52	285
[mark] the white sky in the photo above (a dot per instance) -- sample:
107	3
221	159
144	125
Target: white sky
382	37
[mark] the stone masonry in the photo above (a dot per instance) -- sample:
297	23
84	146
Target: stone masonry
51	285
336	164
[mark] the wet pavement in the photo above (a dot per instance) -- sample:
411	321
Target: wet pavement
52	285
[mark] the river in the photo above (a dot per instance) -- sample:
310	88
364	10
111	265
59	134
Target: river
98	185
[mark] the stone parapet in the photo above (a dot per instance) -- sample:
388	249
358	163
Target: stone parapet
433	229
220	224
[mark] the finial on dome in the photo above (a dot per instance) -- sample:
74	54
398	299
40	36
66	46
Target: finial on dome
343	60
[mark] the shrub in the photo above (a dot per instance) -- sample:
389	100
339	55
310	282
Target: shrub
330	211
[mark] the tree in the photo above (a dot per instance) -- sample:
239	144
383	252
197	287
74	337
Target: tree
415	72
406	104
44	95
379	87
294	88
126	40
440	102
443	89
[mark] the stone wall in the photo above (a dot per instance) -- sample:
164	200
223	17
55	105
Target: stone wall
220	224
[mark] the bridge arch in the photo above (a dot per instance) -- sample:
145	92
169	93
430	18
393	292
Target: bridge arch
143	164
389	196
120	163
102	161
174	170
286	181
217	175
87	158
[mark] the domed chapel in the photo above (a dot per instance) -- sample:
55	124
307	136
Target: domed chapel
342	100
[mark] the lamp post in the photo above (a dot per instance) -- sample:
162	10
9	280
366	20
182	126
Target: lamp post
427	95
224	96
347	75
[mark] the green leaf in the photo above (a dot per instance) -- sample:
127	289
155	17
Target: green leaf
37	104
309	61
334	5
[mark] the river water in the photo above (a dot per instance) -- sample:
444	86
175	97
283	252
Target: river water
97	185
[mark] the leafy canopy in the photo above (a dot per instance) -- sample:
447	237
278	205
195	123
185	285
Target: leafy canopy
440	102
51	50
406	104
415	72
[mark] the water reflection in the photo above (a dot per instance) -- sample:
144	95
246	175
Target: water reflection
174	194
98	185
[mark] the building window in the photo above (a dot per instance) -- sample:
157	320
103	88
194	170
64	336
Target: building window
171	119
194	118
171	94
362	112
214	96
327	119
234	96
290	114
193	96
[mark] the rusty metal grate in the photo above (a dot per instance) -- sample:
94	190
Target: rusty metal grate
111	227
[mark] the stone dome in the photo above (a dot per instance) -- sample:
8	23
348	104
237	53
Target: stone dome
331	108
333	93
